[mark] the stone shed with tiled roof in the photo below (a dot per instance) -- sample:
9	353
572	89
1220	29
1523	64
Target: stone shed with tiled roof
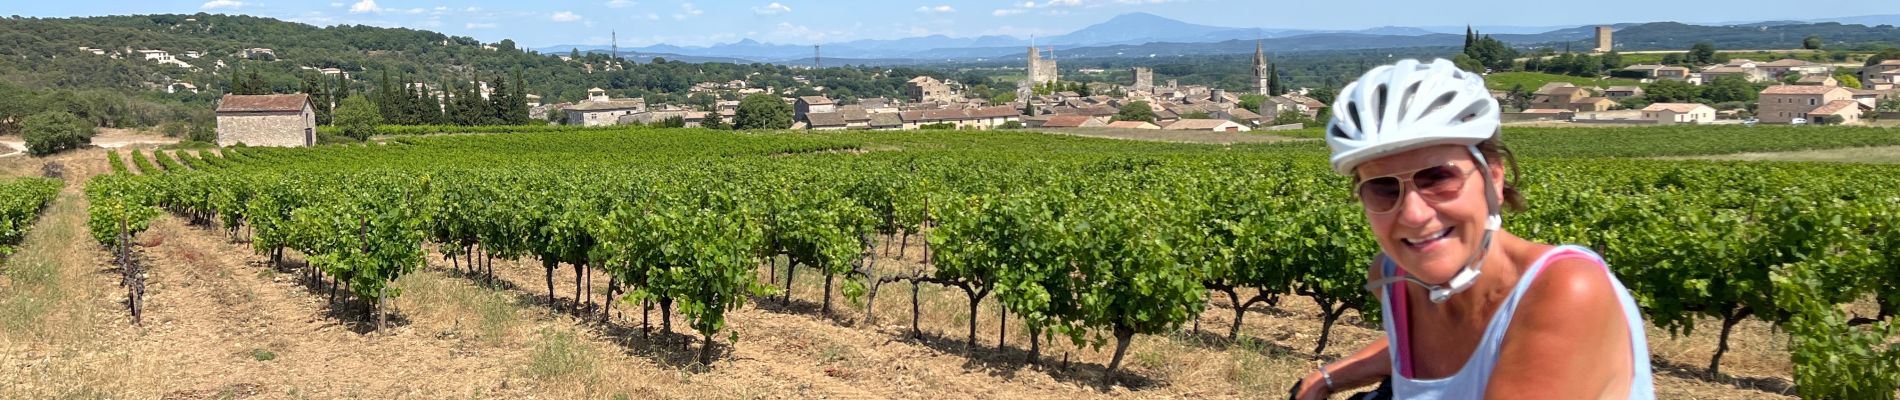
280	120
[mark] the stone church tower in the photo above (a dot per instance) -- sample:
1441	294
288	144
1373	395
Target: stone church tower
1260	70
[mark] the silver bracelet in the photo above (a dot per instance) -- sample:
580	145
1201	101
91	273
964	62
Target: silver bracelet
1327	377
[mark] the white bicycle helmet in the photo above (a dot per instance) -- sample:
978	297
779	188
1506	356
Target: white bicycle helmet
1410	105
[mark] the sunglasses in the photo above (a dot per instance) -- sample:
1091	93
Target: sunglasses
1436	184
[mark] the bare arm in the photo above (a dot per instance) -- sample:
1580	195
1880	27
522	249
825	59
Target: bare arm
1567	339
1367	366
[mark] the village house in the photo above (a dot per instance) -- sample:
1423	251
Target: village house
1677	74
1592	104
1557	95
1781	104
1647	70
282	120
1679	113
927	89
1783	67
1133	125
1206	125
807	105
257	52
691	119
1818	80
973	118
1622	92
1073	121
1839	112
1880	76
600	110
1749	74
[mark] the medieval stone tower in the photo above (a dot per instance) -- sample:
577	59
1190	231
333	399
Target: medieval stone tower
1144	80
1040	70
1605	40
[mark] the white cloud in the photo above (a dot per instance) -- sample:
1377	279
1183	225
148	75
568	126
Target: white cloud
216	4
937	9
687	10
1050	7
565	16
653	17
773	8
417	10
336	4
479	25
621	3
365	6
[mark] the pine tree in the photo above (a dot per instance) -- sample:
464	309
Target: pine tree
388	102
518	110
501	103
1470	36
1274	86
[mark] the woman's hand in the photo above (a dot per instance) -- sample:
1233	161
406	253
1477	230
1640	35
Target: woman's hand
1313	387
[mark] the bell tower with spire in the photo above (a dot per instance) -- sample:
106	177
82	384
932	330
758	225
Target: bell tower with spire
1260	69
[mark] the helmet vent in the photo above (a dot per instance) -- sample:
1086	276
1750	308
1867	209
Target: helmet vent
1378	109
1405	102
1441	102
1472	112
1352	110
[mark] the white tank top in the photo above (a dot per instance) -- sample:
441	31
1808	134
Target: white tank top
1475	375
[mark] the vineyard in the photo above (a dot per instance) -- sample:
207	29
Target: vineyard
1081	241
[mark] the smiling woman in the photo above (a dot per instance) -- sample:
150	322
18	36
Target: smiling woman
1412	135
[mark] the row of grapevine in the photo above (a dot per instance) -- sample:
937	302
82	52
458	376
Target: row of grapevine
1091	246
20	203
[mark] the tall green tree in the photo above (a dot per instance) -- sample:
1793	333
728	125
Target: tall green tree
1135	111
762	111
1812	42
1702	53
1672	91
358	118
1730	88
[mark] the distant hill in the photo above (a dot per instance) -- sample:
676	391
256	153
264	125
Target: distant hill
1144	34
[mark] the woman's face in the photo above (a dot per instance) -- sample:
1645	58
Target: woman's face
1431	235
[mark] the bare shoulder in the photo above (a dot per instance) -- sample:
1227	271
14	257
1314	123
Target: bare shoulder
1572	296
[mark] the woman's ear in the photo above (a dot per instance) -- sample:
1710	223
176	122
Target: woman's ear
1496	171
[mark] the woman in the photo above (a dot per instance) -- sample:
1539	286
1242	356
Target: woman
1470	311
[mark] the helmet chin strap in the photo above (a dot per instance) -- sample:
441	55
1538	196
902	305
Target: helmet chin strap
1439	293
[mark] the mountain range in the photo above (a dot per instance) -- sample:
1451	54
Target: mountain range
1149	35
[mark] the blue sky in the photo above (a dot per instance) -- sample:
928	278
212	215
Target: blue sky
702	22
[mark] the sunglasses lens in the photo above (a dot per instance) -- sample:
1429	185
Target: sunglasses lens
1380	194
1439	183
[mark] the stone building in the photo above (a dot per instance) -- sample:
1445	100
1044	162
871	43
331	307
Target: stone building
1781	104
282	120
1261	70
1605	40
924	89
1040	71
601	110
1144	80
